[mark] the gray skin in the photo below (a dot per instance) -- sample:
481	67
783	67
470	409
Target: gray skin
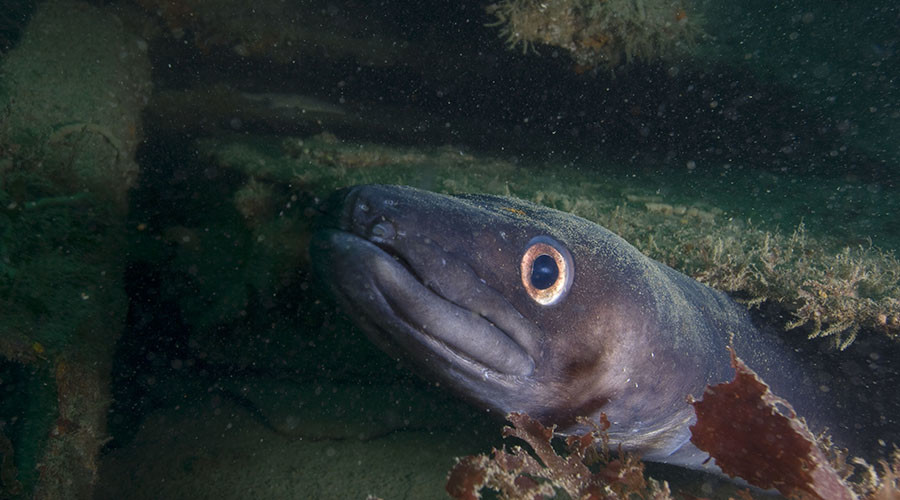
436	280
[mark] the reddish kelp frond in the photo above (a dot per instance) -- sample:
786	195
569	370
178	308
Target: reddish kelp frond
755	435
584	472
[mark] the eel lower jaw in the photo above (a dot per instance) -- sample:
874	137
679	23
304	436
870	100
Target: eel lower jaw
396	305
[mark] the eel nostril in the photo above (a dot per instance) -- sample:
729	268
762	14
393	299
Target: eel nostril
383	231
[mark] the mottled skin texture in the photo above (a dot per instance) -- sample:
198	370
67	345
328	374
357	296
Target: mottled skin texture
435	279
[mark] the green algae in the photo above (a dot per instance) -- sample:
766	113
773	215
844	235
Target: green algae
828	286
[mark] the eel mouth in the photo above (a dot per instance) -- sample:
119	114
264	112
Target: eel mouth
386	295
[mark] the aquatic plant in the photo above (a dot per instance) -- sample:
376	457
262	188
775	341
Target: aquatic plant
588	470
823	288
833	294
599	32
732	417
824	291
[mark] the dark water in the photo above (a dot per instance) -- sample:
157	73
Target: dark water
161	164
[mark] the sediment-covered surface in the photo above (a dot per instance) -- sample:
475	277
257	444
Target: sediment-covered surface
72	89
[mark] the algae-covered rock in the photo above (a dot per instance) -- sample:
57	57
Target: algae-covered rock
75	105
69	129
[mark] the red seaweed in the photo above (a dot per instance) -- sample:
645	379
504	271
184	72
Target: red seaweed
749	431
587	470
755	435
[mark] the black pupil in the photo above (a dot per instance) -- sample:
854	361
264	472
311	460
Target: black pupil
544	272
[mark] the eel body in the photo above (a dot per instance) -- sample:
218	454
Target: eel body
518	307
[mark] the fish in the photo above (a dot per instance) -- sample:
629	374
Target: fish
517	307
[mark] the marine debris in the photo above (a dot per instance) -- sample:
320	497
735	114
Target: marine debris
588	470
599	32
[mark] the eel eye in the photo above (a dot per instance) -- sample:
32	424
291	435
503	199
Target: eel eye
547	270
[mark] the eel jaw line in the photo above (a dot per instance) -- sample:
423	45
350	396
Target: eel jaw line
403	312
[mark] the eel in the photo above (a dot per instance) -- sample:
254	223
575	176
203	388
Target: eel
519	307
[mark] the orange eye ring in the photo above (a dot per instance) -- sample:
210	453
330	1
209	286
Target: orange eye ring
547	270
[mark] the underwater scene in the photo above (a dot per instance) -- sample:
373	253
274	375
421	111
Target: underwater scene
332	249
